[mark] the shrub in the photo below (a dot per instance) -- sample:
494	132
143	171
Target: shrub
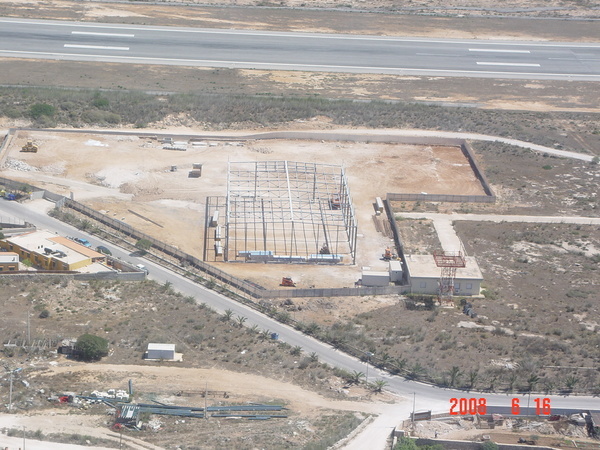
90	347
38	110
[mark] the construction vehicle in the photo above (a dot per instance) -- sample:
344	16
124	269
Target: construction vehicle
388	255
30	147
288	282
334	201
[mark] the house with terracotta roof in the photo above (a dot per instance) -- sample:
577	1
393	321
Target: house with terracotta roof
48	251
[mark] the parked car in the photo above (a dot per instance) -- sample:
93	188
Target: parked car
103	249
142	268
83	242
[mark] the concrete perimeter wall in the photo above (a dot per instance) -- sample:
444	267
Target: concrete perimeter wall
489	196
468	445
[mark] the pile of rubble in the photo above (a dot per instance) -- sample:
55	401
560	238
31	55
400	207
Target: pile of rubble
15	164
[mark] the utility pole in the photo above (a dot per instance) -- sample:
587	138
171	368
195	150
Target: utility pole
414	404
10	392
28	330
369	354
205	401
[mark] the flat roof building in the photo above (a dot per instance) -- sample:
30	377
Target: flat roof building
47	251
161	351
425	276
9	261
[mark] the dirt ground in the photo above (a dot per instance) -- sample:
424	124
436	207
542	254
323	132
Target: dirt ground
218	355
437	18
123	175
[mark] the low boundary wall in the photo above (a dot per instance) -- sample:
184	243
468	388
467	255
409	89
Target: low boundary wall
489	196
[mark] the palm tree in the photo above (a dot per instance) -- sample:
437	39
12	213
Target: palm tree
415	372
312	328
548	386
571	381
378	385
455	374
355	377
511	381
240	320
532	381
227	315
296	351
473	375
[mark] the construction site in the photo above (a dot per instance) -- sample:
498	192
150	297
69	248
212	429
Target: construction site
266	198
282	211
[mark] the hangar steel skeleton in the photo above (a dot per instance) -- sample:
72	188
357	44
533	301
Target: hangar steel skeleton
289	212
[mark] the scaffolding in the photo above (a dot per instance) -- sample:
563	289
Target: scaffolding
448	262
283	211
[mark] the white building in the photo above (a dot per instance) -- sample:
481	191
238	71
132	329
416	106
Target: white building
425	276
161	351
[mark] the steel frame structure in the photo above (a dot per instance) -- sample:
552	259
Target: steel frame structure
292	209
448	262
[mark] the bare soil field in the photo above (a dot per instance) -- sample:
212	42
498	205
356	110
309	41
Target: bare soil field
538	315
218	354
137	172
438	18
530	183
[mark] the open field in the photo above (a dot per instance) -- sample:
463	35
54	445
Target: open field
538	316
217	353
458	19
529	183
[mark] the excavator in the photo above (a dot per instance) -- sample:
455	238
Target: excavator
30	147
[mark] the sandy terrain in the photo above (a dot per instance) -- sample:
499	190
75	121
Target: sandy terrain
162	383
123	175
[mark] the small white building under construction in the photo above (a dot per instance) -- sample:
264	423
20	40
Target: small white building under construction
425	276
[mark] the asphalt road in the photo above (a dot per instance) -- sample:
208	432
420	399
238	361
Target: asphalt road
424	396
43	39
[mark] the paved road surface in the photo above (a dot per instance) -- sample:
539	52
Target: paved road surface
45	39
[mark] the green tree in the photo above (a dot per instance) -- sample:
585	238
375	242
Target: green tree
489	445
405	443
90	347
143	245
